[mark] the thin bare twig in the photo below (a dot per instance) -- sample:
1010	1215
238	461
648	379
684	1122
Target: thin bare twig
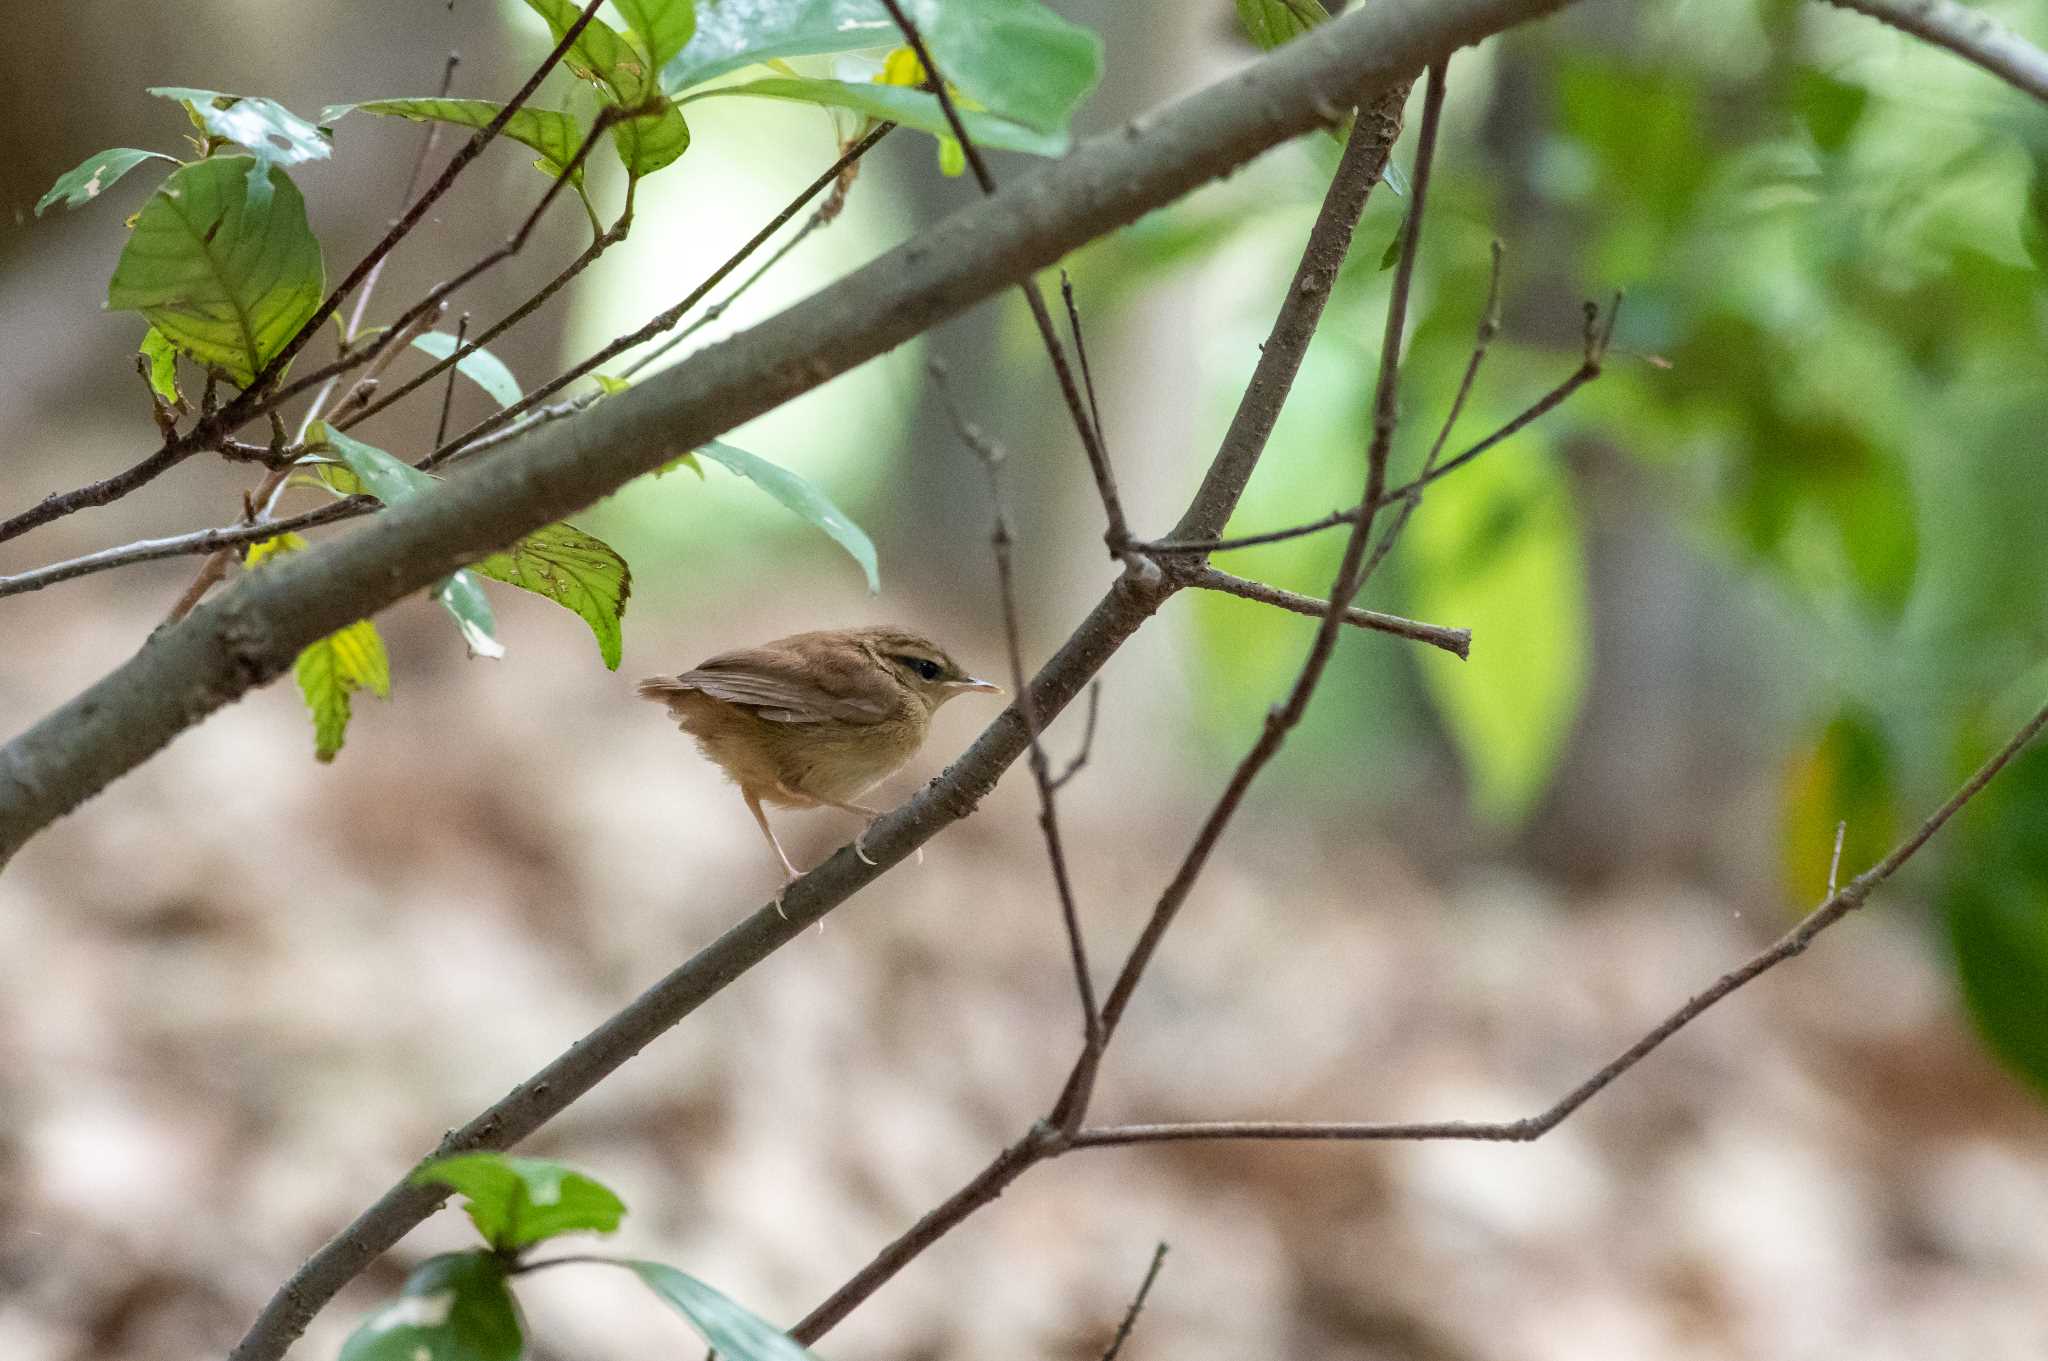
1838	905
178	545
1456	641
1599	336
1130	1319
1117	534
1489	327
1835	860
437	297
825	214
1041	770
412	216
448	393
1364	159
1080	761
662	321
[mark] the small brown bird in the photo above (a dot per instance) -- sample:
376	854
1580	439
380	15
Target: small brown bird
814	720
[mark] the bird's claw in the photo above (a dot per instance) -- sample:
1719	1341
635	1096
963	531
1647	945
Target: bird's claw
860	851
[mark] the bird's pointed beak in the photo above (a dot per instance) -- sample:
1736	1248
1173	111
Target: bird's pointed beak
970	683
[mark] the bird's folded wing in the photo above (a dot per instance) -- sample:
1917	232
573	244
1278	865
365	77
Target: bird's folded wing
782	689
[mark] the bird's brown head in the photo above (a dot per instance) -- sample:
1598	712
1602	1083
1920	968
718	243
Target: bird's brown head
917	663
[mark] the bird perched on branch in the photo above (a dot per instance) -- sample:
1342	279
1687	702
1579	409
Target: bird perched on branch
814	720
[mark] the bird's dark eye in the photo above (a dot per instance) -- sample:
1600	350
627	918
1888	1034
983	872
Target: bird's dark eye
925	667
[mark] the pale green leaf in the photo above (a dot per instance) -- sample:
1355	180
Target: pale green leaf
898	104
393	481
733	1332
225	279
577	571
478	365
1496	548
163	367
335	667
517	1202
803	497
273	134
455	1307
94	175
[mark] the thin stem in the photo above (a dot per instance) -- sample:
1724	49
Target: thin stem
1838	905
1599	337
1080	761
661	321
178	545
1130	1319
1456	641
1117	534
1041	770
448	392
411	218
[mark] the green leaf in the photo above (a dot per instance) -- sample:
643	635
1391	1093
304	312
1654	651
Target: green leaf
733	1332
163	367
516	1202
274	134
462	596
94	175
625	77
1015	58
1831	108
1271	22
455	1307
660	28
1497	549
608	386
224	278
332	669
393	481
575	570
1997	915
479	365
912	108
553	134
804	498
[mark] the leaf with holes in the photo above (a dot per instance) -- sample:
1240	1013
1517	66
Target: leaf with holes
455	1307
516	1202
479	365
273	134
803	497
94	175
332	669
394	481
555	135
225	279
734	1333
577	571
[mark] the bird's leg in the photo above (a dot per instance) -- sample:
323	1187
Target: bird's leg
859	840
754	807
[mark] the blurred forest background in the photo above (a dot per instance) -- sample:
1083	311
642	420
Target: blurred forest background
1782	565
